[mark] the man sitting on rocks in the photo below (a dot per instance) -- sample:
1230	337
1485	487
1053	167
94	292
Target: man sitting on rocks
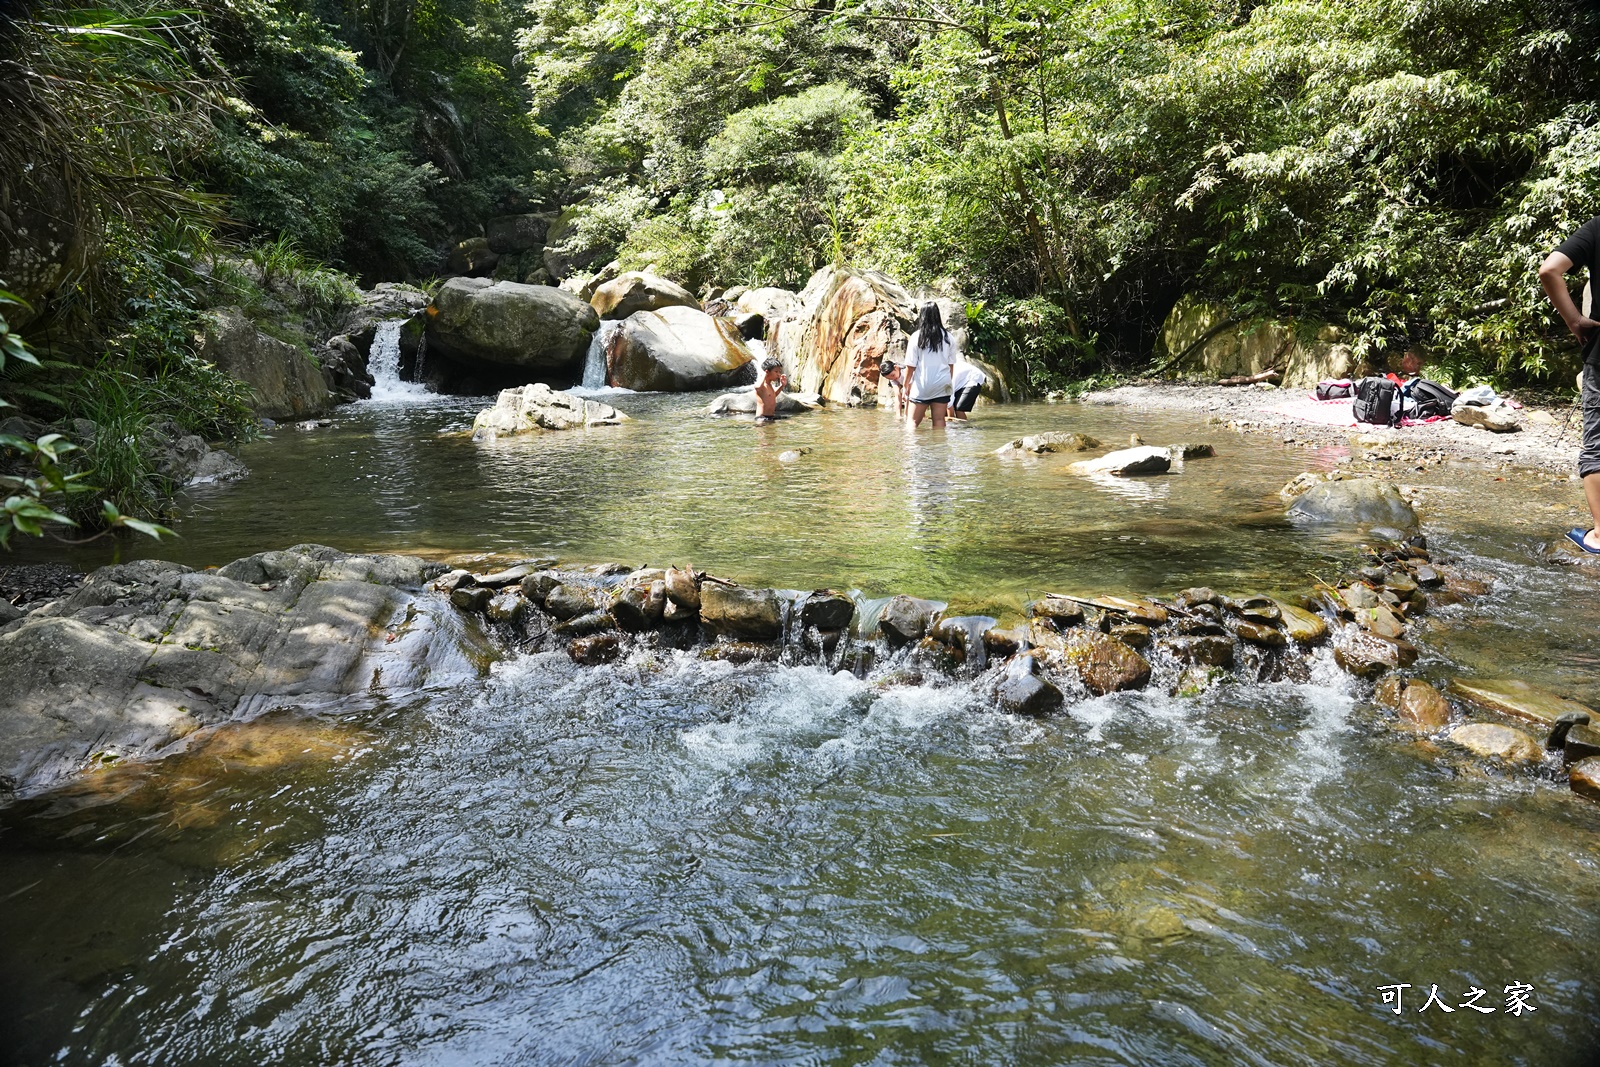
773	381
1582	249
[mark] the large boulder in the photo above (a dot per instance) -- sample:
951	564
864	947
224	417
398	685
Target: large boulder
528	408
639	291
848	322
472	256
509	234
532	328
143	653
676	349
1354	501
284	382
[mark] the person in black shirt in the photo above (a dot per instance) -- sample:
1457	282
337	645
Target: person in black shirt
1582	249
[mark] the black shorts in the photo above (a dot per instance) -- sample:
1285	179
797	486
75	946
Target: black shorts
1589	453
966	398
936	400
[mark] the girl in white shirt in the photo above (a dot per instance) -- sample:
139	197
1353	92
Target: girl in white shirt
931	355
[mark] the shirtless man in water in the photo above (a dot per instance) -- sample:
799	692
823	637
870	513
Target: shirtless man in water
773	381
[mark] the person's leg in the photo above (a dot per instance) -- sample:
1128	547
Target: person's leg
938	416
917	411
1589	456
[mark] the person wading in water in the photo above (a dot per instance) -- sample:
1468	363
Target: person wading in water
772	382
931	355
1582	249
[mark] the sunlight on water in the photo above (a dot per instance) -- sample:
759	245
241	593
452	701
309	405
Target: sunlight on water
676	860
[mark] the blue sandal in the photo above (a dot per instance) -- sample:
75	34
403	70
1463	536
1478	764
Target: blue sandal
1576	536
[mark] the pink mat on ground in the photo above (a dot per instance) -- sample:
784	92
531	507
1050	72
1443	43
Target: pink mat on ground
1322	412
1332	412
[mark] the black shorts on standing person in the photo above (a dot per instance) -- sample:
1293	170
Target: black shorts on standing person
1582	249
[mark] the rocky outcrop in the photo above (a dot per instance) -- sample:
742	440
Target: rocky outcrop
472	257
1203	338
1353	501
637	291
677	349
510	234
537	331
143	653
530	408
284	382
847	323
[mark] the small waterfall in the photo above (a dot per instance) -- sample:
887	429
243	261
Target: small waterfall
383	363
594	364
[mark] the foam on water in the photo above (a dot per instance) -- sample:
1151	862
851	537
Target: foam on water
383	363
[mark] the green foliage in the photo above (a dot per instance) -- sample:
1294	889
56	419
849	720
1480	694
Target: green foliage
36	483
1034	335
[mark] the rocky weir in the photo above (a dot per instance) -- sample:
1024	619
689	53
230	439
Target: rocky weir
141	660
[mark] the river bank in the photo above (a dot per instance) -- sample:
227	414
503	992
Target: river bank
1547	444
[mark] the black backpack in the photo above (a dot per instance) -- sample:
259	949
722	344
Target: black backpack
1377	401
1430	398
1335	389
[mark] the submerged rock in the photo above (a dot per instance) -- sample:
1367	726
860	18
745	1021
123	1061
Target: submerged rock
1061	612
1415	702
1354	501
1492	741
1127	462
594	649
1043	443
530	408
1514	697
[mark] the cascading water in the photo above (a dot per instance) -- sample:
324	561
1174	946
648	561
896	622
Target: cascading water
383	363
594	364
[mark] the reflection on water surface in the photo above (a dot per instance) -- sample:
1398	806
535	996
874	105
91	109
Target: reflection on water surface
676	861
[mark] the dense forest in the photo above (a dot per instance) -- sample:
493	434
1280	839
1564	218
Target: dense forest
1396	167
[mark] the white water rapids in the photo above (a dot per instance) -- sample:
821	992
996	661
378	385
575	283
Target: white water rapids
383	363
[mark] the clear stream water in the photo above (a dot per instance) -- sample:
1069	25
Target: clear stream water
669	860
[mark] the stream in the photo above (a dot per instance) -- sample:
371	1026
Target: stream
674	860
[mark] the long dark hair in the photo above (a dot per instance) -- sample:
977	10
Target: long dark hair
930	328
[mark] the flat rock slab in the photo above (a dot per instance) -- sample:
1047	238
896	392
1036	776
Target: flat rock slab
1128	462
1511	696
141	654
